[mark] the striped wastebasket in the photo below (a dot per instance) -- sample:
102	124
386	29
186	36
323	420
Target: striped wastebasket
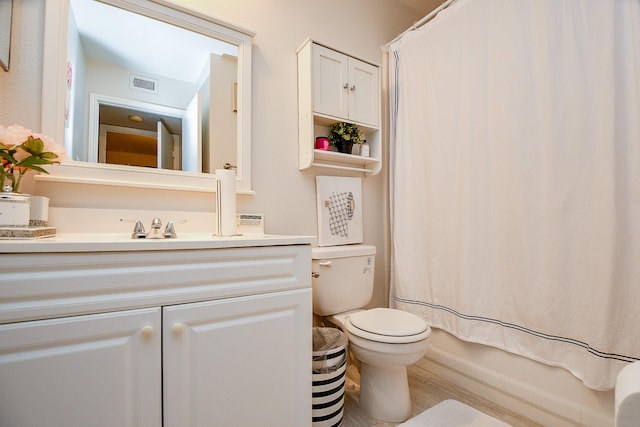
329	369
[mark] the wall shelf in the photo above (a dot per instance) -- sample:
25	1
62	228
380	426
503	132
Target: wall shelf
336	87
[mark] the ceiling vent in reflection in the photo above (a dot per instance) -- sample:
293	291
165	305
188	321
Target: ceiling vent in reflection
144	84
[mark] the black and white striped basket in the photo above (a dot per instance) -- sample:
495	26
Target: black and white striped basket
328	392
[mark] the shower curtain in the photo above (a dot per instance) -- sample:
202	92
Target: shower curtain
515	179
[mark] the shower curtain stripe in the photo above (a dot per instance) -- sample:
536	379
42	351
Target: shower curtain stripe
515	179
538	334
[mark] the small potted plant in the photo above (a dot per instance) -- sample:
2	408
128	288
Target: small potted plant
343	135
21	151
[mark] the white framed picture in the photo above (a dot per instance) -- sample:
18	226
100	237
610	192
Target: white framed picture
339	201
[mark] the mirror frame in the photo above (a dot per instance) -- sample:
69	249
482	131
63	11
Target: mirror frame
54	65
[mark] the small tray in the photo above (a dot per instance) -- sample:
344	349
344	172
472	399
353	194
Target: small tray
30	232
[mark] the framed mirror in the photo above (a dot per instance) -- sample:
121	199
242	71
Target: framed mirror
146	94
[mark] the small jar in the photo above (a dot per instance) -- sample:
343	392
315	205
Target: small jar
322	143
364	149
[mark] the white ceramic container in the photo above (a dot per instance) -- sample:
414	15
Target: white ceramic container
14	210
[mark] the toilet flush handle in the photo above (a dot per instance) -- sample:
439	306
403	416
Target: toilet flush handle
326	263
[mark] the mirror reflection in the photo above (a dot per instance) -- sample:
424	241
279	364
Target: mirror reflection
141	92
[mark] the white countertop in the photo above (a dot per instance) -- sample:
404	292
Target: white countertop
96	242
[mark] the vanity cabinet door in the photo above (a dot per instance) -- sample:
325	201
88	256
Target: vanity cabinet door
93	370
242	361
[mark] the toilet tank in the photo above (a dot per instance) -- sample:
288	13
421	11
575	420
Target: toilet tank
343	278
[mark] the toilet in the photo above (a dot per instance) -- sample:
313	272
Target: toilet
384	341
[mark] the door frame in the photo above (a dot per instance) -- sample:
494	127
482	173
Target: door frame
96	99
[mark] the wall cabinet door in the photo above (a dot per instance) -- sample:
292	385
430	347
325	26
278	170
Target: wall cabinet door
238	361
345	87
330	82
364	92
93	370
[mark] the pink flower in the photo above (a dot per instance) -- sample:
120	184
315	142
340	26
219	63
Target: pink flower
13	135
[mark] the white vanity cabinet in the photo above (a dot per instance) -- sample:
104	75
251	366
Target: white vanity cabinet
336	87
94	370
193	336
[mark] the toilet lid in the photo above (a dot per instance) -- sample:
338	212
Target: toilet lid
388	325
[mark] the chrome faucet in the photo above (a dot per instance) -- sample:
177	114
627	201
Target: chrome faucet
155	232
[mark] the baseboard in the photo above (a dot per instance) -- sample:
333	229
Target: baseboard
544	406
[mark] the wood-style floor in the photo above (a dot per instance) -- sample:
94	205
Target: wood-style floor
427	389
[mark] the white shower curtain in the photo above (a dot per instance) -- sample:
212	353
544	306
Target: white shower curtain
515	179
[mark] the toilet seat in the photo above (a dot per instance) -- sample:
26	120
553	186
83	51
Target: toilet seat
387	325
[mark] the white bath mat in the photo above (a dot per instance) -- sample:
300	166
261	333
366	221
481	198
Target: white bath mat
451	413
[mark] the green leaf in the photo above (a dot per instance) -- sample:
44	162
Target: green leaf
33	160
8	157
38	169
49	155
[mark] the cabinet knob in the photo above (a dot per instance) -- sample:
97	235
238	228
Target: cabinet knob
147	331
346	86
353	87
177	328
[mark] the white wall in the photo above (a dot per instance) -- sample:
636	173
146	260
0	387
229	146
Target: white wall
285	195
20	87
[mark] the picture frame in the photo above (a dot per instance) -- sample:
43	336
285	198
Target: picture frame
339	203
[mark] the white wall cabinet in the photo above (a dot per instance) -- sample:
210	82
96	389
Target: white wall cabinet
345	87
201	337
337	87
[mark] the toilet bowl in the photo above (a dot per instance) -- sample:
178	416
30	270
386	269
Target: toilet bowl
384	341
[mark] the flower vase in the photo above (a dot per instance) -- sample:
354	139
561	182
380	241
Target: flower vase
347	146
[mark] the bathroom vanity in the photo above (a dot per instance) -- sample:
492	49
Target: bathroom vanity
198	331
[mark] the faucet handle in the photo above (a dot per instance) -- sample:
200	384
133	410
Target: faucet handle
138	229
170	229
